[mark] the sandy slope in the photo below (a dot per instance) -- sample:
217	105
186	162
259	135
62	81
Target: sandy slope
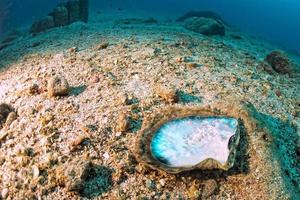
140	58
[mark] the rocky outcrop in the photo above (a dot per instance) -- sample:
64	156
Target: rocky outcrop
205	26
84	10
206	14
73	8
63	14
42	25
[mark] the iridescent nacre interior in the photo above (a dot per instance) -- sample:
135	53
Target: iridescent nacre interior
188	141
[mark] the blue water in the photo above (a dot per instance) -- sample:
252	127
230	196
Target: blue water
274	20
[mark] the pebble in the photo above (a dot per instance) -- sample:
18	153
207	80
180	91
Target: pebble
95	79
35	171
122	123
105	156
4	193
150	184
103	45
12	116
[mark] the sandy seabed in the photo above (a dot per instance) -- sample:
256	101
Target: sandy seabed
118	70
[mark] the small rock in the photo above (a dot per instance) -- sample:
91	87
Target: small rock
105	156
162	182
122	123
150	184
79	141
34	89
103	45
95	79
12	116
73	50
58	86
278	93
73	174
4	193
279	62
210	187
168	94
205	26
192	65
5	110
35	172
123	99
193	191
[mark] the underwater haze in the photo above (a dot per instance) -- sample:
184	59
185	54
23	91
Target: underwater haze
273	20
156	99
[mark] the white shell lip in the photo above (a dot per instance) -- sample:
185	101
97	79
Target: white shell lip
186	142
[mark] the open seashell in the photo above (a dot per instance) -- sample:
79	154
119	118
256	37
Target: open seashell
183	138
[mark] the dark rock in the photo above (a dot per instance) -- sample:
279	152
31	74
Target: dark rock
279	62
206	14
206	26
5	110
61	16
84	10
73	8
42	25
